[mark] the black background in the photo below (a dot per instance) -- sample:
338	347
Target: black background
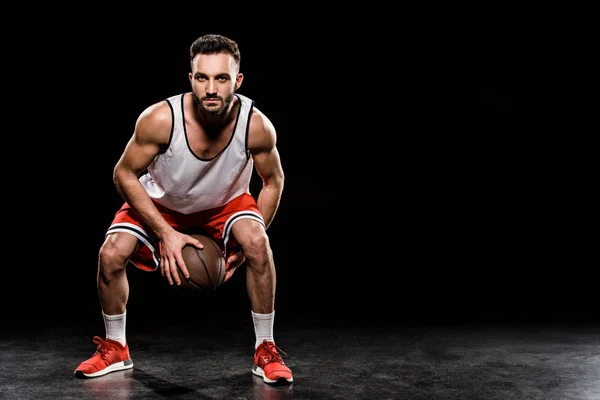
438	157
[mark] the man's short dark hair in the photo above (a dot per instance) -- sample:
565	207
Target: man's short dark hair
215	44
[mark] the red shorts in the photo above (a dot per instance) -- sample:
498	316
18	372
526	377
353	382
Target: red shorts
215	223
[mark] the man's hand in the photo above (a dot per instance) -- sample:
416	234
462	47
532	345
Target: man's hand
171	258
235	260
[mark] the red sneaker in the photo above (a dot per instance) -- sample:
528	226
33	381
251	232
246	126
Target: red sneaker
110	356
269	365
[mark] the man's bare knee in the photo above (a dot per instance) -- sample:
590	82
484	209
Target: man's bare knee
258	252
113	256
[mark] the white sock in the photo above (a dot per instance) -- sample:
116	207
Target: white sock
263	327
115	327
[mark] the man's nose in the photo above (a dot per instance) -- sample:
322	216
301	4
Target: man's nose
211	88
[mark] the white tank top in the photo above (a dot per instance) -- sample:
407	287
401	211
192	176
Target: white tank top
183	182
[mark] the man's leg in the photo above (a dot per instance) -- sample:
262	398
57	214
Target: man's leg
261	283
112	353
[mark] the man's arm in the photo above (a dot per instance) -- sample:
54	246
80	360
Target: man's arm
152	130
262	142
148	136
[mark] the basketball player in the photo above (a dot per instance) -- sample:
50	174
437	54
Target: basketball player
188	165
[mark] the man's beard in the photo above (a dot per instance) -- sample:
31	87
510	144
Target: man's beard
213	110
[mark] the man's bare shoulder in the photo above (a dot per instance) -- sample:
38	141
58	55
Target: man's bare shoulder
154	123
261	133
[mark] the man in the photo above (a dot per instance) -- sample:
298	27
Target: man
187	166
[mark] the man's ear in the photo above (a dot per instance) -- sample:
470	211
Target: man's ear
238	81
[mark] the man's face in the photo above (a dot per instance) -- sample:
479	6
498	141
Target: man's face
214	79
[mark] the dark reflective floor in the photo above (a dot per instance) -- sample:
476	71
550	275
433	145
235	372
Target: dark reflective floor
498	332
212	360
